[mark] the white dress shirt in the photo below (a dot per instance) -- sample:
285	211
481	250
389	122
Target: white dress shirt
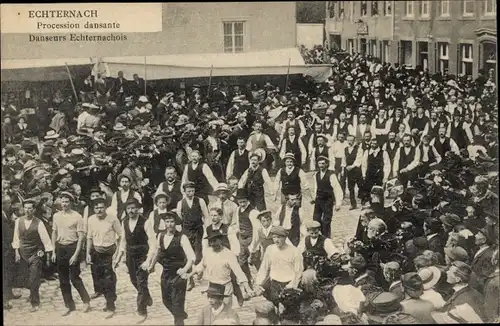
413	164
387	162
334	182
329	246
302	176
205	169
204	209
267	180
230	163
42	232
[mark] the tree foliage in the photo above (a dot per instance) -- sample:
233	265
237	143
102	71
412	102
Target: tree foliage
311	12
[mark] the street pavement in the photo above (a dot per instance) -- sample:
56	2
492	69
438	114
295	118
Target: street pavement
52	305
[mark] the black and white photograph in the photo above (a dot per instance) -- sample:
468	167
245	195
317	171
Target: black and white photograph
250	163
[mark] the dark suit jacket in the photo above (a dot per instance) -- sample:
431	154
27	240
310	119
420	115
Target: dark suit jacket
436	244
7	232
469	296
482	267
492	297
207	318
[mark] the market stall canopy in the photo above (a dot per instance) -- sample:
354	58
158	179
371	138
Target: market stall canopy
156	67
34	70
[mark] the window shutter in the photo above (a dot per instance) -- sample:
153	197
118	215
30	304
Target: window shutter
459	59
436	57
399	52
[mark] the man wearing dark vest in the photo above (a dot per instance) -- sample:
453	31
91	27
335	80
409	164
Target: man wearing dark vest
320	150
444	144
136	243
313	139
375	169
361	128
290	216
342	126
420	121
254	179
315	243
238	161
174	252
200	174
122	195
328	193
328	127
352	157
193	212
293	144
246	225
432	129
380	127
154	223
428	155
459	132
171	187
397	120
103	234
290	179
292	122
391	147
405	162
223	202
9	266
68	233
30	241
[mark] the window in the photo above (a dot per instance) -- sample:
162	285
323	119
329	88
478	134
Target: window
373	48
233	37
409	9
363	8
490	7
374	8
468	7
443	56
387	8
424	9
423	54
406	53
331	8
350	46
466	59
341	9
386	51
362	46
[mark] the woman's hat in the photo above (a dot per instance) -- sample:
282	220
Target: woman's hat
119	127
51	134
221	187
382	304
430	276
215	290
241	194
412	284
29	165
456	253
143	99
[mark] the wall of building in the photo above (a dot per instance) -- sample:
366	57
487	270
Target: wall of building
310	35
187	28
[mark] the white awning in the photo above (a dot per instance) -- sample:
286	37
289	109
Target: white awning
41	69
273	62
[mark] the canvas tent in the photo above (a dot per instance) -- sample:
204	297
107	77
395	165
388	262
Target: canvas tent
275	62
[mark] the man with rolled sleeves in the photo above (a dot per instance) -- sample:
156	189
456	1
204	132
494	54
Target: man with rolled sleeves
293	144
238	160
171	187
30	241
375	169
321	149
104	232
68	235
200	175
328	193
122	195
281	267
254	179
405	162
136	242
352	162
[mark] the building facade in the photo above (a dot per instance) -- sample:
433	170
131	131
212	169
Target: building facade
458	35
187	28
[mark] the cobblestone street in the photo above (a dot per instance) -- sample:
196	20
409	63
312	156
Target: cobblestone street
52	306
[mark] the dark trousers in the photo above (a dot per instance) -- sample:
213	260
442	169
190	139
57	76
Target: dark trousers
106	276
368	183
272	290
404	178
95	279
257	199
35	268
245	240
139	278
174	294
353	178
323	213
9	270
294	234
69	274
195	236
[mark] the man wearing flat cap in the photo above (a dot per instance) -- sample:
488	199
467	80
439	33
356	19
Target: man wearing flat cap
30	241
315	243
290	179
122	195
136	241
328	194
281	267
292	143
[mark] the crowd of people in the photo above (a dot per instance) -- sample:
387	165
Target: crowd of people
190	180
